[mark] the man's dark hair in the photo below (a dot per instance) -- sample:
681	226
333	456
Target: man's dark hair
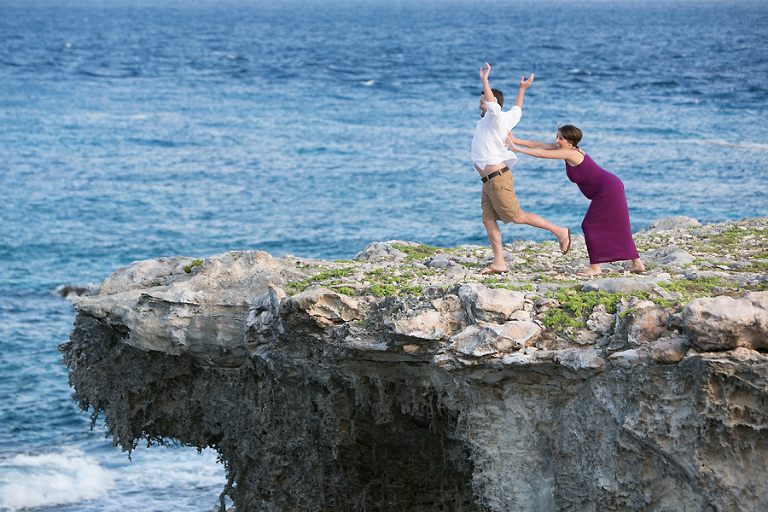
498	95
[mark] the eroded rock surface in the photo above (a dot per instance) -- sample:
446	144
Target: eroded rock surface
404	381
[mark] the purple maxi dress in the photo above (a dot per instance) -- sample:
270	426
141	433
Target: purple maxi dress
606	224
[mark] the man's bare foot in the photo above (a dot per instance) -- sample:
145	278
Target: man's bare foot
491	270
565	242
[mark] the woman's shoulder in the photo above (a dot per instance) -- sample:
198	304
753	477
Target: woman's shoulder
578	158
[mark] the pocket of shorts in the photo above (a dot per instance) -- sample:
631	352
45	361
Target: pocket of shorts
501	185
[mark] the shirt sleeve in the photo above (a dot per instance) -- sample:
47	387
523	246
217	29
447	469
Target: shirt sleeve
493	111
513	116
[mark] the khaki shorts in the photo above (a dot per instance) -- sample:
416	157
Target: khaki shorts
498	199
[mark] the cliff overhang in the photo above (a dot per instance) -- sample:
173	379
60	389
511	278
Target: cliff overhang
404	380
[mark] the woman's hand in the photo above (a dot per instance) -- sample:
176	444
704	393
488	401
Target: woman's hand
511	141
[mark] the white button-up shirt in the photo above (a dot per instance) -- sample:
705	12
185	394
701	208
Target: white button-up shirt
489	142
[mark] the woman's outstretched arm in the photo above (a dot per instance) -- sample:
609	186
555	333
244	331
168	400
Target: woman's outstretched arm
529	143
571	156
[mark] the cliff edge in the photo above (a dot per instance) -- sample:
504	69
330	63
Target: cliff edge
403	380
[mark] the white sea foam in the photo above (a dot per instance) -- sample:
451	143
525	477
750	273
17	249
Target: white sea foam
161	467
752	146
368	83
62	478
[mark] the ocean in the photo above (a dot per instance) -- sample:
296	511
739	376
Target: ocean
135	129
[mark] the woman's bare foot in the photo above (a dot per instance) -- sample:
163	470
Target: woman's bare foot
593	270
491	270
637	267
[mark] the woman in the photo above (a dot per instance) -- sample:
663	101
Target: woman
606	224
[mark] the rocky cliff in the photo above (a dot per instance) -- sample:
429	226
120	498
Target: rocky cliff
404	381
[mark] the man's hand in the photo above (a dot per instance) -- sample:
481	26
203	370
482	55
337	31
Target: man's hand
484	74
524	84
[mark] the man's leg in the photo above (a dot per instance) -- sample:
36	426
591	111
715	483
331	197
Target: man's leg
494	237
562	234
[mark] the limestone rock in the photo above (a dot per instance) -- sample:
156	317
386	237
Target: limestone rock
647	323
667	257
670	223
431	324
144	274
710	274
490	305
669	351
628	358
487	338
439	261
600	321
323	305
585	362
383	250
620	285
723	323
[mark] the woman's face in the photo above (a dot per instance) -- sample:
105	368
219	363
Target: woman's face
561	143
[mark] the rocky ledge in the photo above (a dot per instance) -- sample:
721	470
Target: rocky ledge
403	380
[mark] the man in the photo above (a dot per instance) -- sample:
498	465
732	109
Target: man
492	160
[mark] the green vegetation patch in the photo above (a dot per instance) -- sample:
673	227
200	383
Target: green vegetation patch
523	288
411	290
693	287
381	290
192	265
421	251
345	290
558	319
321	276
576	306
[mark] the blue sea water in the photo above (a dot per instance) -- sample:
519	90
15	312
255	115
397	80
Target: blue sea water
135	129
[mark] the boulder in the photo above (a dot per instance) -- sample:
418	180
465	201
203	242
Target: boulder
667	257
439	261
724	323
431	324
584	361
488	338
323	305
144	274
600	321
383	250
670	223
669	351
647	324
620	285
490	304
628	358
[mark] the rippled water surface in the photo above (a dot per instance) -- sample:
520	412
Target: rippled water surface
138	129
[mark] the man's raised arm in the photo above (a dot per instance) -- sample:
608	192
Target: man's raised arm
486	86
524	84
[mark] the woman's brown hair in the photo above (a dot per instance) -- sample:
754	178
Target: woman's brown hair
571	134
